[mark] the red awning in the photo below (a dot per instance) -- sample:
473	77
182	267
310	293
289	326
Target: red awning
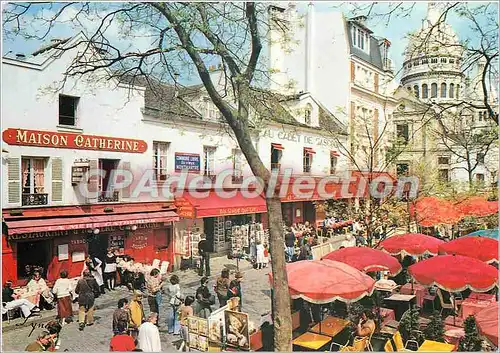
334	154
277	146
215	206
309	150
89	222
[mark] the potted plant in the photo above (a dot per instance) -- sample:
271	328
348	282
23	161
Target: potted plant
435	328
409	324
471	342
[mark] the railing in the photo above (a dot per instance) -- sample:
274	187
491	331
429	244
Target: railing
104	196
35	199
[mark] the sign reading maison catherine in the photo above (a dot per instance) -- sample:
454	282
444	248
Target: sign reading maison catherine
187	161
74	141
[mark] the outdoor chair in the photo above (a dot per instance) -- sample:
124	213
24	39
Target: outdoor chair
12	313
400	346
360	344
448	306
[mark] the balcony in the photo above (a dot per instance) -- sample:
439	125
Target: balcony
104	196
35	199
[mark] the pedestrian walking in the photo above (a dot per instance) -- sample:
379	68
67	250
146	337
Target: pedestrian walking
121	341
110	269
86	288
186	310
94	265
204	251
235	288
154	285
222	286
260	255
136	313
173	291
121	315
149	336
290	244
204	300
62	292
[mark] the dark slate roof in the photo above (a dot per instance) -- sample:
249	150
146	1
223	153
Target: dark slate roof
374	57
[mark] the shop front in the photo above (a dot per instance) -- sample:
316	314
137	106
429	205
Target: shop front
54	244
217	218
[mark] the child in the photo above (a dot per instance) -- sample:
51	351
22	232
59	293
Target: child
185	311
266	255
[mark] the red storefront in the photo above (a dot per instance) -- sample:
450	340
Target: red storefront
58	238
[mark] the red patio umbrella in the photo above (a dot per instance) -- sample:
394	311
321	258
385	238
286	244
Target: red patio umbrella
487	321
324	281
415	244
477	206
481	248
455	273
366	259
430	211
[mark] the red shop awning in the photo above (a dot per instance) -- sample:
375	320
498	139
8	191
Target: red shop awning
334	154
277	146
309	150
215	206
88	222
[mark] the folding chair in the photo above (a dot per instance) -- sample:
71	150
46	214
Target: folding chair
400	346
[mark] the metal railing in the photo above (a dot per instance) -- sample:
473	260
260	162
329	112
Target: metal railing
35	199
104	196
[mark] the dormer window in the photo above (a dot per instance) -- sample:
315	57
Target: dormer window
360	38
307	115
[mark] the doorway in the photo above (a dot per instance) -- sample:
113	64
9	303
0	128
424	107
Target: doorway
33	254
208	229
98	245
309	212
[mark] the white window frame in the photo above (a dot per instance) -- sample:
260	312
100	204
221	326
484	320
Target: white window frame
237	162
32	176
307	156
209	160
360	38
160	159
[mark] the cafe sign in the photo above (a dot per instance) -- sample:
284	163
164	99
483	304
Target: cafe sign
35	138
297	137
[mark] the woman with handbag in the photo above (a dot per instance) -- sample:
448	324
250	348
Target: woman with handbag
154	285
204	300
173	291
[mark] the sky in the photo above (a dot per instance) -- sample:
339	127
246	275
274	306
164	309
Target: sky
396	30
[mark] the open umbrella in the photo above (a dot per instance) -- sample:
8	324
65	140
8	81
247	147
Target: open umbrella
455	273
487	321
324	281
477	206
484	249
415	244
366	259
431	211
490	233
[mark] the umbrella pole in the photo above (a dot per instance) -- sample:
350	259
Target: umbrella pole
453	300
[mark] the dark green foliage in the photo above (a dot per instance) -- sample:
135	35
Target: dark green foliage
409	324
471	342
435	329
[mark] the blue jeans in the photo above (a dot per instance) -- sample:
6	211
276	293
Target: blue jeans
173	323
289	252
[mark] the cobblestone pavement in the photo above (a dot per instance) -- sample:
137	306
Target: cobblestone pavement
256	301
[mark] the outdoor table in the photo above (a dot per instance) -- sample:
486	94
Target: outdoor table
454	335
473	306
400	303
312	341
419	291
483	296
387	315
433	346
330	326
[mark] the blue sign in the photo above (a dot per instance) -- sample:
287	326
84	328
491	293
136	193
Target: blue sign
187	161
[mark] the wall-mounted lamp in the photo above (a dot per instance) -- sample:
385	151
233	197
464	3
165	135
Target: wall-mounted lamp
96	231
134	227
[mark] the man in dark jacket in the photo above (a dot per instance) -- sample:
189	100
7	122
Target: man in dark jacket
85	288
289	243
204	252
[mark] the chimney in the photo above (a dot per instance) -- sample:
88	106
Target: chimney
20	56
55	40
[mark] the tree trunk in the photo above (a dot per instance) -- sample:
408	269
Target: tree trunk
281	304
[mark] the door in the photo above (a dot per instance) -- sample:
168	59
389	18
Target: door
97	245
208	226
32	255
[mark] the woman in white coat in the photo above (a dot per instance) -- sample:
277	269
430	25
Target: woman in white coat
95	267
261	258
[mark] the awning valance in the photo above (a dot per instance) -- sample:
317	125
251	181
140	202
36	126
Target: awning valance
277	146
309	150
88	222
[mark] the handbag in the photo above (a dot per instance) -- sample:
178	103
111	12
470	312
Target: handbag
211	300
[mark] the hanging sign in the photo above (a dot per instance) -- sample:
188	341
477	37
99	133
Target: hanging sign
51	139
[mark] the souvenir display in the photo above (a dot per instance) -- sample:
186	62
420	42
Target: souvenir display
203	327
237	330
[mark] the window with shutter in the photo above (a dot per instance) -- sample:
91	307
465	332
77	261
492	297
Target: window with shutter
93	181
57	180
127	189
14	180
